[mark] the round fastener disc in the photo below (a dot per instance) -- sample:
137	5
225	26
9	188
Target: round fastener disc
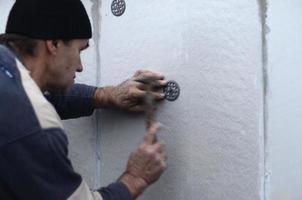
118	7
172	91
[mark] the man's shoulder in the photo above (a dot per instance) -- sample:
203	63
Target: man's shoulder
7	57
23	108
17	118
10	80
8	69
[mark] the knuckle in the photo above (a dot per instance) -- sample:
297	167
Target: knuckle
131	92
136	84
149	152
141	147
152	157
158	159
130	84
162	82
164	166
140	71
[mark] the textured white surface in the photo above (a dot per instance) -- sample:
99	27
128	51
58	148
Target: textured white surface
5	6
213	50
285	100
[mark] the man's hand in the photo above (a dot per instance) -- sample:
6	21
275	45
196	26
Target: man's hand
146	164
130	94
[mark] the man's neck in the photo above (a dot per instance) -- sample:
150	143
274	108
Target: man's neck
36	67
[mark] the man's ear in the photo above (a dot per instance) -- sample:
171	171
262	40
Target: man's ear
52	46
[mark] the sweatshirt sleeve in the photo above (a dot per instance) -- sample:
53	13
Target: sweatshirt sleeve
115	191
77	102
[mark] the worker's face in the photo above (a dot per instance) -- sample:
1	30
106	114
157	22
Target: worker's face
63	64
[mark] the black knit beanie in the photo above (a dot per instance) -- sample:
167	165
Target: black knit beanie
49	19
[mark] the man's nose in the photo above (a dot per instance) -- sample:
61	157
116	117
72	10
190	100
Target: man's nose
80	68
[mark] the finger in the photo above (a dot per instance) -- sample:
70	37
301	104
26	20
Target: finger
150	137
140	71
144	72
137	93
158	147
148	77
160	83
162	151
151	76
158	95
163	82
160	163
140	94
156	85
140	85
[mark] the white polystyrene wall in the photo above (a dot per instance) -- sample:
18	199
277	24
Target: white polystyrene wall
5	6
284	159
213	49
214	131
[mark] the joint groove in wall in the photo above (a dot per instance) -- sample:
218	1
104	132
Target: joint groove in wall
263	5
96	21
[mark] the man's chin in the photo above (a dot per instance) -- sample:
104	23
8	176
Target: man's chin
59	90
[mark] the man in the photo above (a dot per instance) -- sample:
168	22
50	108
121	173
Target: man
40	56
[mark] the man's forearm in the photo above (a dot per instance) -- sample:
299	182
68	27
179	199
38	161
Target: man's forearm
78	101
